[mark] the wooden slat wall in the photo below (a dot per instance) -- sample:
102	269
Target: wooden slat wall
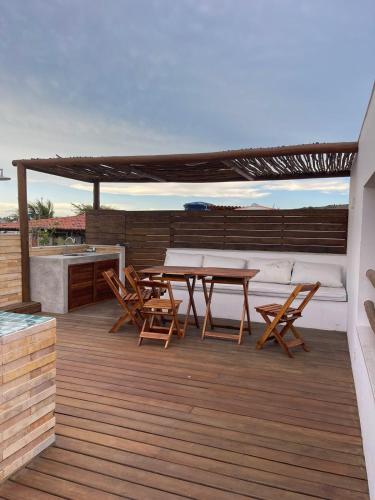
105	227
28	362
149	233
10	269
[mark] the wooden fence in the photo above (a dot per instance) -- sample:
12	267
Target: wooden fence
148	233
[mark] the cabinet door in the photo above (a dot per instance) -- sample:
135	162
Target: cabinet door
81	285
102	290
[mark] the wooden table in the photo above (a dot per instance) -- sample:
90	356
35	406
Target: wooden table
177	273
211	276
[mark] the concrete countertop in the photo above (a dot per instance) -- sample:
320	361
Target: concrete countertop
76	259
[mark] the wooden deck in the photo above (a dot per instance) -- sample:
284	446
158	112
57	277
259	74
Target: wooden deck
208	420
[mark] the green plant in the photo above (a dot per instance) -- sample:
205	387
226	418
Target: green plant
40	209
82	208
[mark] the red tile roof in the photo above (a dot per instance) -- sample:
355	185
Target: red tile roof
74	222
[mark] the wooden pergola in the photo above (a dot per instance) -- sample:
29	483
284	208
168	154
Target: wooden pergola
305	161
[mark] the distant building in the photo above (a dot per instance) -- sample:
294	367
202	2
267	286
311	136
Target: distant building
53	231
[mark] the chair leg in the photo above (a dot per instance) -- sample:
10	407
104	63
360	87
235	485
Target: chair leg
299	336
273	334
170	333
266	334
279	335
122	319
140	340
133	311
281	342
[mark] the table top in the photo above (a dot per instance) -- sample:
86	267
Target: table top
219	272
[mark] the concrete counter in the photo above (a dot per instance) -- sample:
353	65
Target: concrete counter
49	277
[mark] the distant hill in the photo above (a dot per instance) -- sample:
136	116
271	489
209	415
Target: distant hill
344	205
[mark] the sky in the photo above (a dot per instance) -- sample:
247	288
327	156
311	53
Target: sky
117	77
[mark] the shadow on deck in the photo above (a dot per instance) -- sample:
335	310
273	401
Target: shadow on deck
208	420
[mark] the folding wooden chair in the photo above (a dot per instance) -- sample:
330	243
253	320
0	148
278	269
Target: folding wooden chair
284	316
156	310
132	277
129	301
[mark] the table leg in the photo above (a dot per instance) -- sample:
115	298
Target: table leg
191	303
192	288
205	293
246	302
240	334
208	307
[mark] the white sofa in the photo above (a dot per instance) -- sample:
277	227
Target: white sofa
327	310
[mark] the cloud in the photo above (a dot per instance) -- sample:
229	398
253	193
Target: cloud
61	208
211	190
221	190
34	127
325	186
7	208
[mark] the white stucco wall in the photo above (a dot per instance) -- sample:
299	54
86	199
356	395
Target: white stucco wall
361	256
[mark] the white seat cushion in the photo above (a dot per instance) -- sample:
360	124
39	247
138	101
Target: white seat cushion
334	294
329	275
219	261
183	259
271	271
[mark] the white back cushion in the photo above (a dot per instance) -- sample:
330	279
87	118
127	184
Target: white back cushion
271	271
183	259
339	259
311	272
219	261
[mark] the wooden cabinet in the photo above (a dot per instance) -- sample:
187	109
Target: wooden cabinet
86	283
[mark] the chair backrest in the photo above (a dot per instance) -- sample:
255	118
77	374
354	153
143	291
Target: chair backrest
312	289
300	288
116	285
157	288
132	276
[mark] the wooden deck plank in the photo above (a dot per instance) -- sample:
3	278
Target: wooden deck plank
198	420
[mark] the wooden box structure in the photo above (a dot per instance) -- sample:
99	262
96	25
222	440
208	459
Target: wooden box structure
10	269
27	391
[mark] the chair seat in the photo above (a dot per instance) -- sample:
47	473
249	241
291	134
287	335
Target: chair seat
274	309
133	297
156	303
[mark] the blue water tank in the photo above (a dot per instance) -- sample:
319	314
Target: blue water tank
197	206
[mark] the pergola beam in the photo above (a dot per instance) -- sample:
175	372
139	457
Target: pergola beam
300	161
96	195
153	177
24	230
316	148
239	170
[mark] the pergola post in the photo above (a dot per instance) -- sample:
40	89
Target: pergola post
24	230
96	195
